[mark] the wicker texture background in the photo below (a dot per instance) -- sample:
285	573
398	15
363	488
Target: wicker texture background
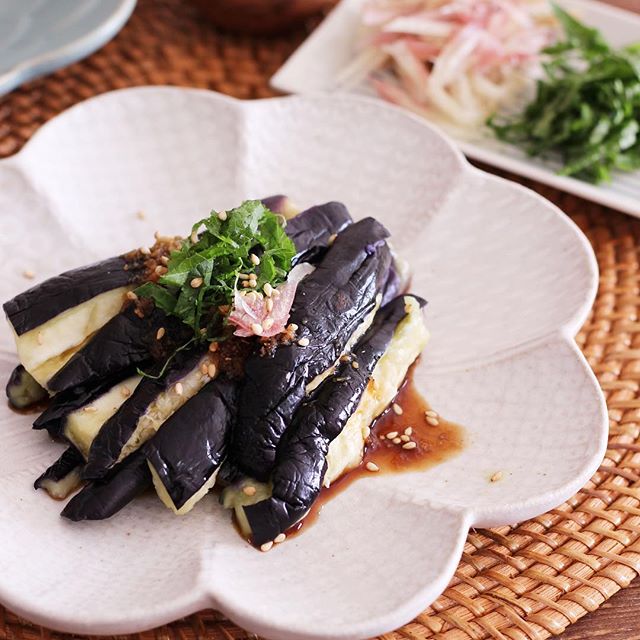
524	582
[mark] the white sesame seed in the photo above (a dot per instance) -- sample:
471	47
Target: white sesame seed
213	347
249	490
203	369
392	434
164	260
212	370
254	259
160	333
40	337
243	276
303	342
276	293
266	546
125	391
268	323
293	327
178	388
131	295
432	421
194	237
397	409
222	216
408	431
140	215
396	441
410	445
256	327
28	274
405	438
372	466
355	365
332	238
496	476
196	282
269	305
431	413
89	409
281	537
252	283
268	289
382	436
160	270
345	358
246	284
145	251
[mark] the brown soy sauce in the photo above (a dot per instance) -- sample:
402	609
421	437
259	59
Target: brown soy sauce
435	444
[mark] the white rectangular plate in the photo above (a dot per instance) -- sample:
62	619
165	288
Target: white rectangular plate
314	66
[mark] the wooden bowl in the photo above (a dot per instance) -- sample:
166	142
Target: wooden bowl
259	16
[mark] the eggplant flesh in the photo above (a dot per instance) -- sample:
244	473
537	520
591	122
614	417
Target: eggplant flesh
312	230
148	407
81	426
23	389
42	303
104	498
185	455
329	306
63	477
329	431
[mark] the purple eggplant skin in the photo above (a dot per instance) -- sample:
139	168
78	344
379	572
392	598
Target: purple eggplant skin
68	462
278	204
23	390
125	341
104	498
391	286
190	446
116	431
53	418
50	298
301	460
312	230
328	307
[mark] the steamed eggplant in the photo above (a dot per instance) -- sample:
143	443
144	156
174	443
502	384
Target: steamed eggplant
125	341
103	498
186	453
330	306
53	319
329	430
23	389
63	477
152	402
313	230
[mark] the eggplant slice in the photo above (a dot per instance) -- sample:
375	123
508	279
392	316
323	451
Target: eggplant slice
152	402
125	341
63	477
313	229
102	499
23	389
53	319
331	304
185	455
329	430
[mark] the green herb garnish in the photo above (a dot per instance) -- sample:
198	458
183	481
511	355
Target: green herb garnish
586	109
204	273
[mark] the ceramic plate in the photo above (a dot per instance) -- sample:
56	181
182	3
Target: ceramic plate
315	65
509	280
39	36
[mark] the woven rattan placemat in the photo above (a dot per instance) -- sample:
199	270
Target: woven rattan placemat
522	582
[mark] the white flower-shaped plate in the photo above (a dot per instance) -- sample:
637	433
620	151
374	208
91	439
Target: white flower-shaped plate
509	281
